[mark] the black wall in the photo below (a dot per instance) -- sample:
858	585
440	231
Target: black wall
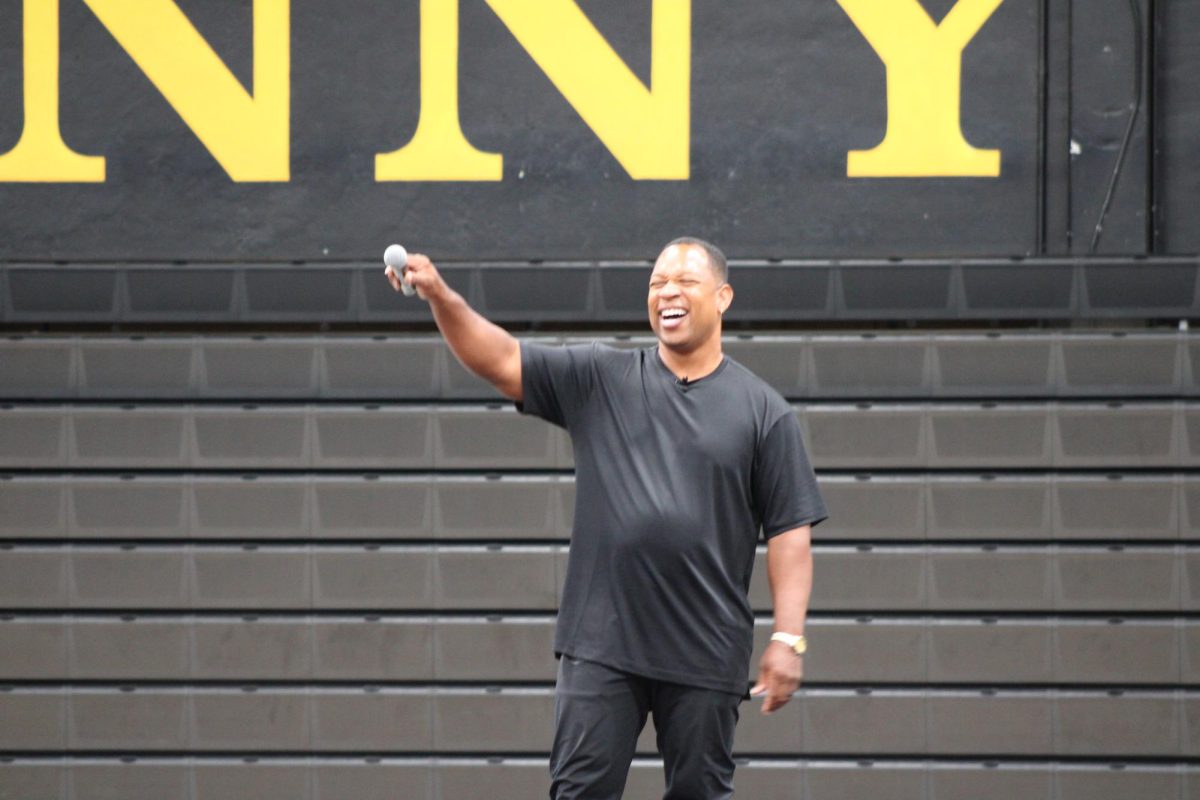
779	93
1177	121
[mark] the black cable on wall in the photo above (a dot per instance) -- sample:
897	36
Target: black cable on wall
1135	109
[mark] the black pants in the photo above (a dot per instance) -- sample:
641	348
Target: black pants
599	713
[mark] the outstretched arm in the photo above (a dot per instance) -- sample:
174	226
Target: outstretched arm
789	571
483	347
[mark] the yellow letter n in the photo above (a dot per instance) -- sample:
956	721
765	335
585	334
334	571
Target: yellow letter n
645	128
924	81
247	134
41	155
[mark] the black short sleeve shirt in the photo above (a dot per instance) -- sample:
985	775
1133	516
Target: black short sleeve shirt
674	482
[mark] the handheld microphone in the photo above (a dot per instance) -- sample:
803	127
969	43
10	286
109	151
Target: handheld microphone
396	257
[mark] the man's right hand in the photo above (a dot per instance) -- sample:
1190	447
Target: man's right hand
422	275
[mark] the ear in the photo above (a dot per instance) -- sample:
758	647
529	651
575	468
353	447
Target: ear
724	297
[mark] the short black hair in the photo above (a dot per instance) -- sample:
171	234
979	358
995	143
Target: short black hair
716	259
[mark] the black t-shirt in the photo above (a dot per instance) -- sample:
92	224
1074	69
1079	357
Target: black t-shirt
673	483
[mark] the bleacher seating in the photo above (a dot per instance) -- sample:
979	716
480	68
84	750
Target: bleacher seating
327	566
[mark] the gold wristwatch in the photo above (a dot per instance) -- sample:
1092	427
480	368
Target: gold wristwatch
797	643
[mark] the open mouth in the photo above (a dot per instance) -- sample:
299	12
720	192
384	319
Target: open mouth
672	317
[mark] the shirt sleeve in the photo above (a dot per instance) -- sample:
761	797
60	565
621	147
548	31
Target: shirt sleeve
786	494
556	380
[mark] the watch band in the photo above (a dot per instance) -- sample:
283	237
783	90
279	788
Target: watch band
796	642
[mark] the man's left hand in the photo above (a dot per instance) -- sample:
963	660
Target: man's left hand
779	674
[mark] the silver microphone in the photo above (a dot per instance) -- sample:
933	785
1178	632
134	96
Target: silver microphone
396	257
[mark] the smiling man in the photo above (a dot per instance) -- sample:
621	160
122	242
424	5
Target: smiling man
682	458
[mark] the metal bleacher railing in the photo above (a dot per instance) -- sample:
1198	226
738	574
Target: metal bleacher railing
327	566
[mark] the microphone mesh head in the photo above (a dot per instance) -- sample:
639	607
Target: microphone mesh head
395	256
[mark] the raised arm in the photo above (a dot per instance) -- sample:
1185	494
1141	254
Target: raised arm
483	347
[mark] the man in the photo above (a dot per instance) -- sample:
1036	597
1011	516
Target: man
681	457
